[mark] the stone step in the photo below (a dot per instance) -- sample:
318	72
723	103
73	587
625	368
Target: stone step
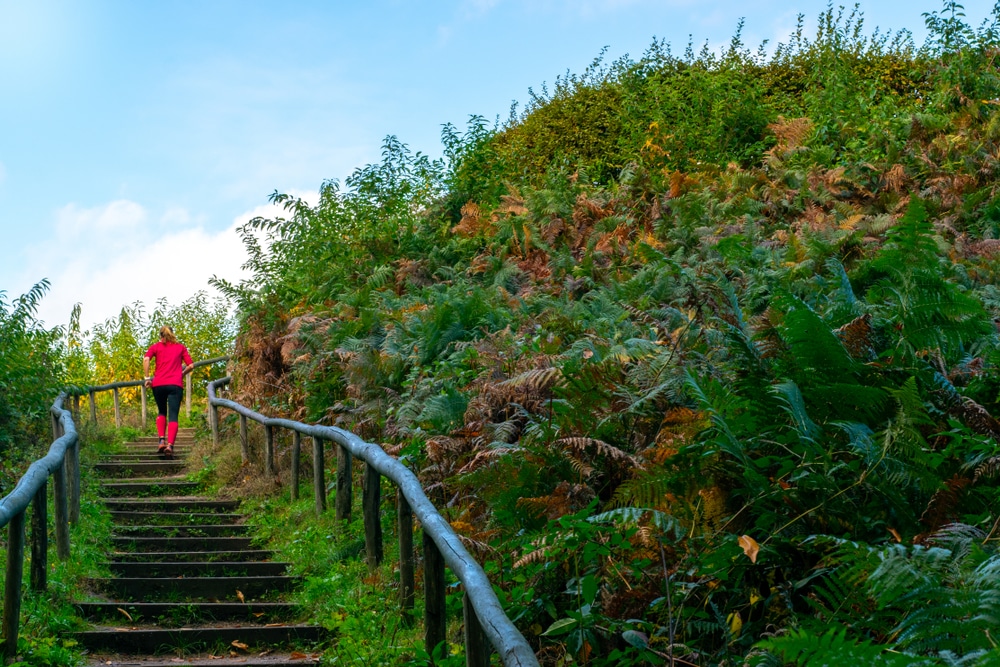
198	569
139	468
204	530
159	544
167	614
196	556
151	589
170	504
153	641
173	518
134	489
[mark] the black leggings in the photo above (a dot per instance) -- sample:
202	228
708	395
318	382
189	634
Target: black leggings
168	400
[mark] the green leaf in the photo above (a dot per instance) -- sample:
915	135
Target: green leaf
560	627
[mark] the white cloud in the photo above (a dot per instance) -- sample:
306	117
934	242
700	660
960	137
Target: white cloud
115	255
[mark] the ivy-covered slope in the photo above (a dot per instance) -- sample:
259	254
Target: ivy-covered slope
698	352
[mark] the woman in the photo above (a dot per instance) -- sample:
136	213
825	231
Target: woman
173	362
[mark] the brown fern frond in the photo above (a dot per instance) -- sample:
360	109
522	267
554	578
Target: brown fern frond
534	381
988	469
582	469
989	248
535	556
943	505
856	336
511	203
978	418
472	223
790	133
580	445
895	179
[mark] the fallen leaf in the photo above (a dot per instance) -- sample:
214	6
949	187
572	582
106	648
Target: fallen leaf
126	616
238	644
587	354
750	547
298	656
234	654
274	625
259	614
895	534
239	594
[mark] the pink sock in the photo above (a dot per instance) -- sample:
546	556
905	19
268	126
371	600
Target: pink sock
161	425
171	432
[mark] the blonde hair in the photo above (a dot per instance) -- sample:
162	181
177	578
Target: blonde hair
167	334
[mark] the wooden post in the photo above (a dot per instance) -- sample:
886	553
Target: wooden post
187	395
477	645
73	481
12	587
76	408
319	482
145	409
40	538
93	408
296	454
371	502
404	516
244	444
61	512
435	621
215	425
118	411
269	449
344	477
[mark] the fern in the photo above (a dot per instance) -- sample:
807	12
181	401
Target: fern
835	649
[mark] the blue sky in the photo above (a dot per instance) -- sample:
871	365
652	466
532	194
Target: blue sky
136	135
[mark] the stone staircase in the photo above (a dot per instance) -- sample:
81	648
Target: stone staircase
186	579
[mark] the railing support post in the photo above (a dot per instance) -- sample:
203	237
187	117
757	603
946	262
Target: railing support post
404	515
187	395
118	408
76	408
296	455
93	408
145	409
268	449
244	444
12	587
61	512
73	480
40	538
344	478
477	645
372	499
319	482
214	416
435	621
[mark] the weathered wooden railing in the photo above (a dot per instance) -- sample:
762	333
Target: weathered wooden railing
485	621
63	464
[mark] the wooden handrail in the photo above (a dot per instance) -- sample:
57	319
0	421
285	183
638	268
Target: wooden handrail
489	616
32	489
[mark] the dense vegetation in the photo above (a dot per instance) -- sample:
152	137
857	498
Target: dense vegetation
31	366
699	352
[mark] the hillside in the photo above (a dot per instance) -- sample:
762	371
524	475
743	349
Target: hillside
698	352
